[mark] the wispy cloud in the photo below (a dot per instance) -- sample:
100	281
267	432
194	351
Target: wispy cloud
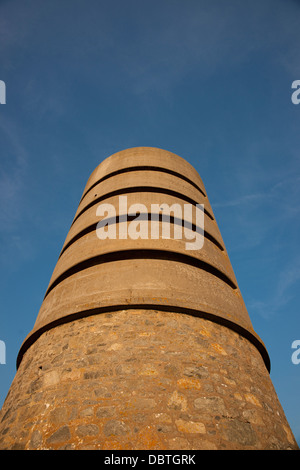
161	43
206	38
263	223
12	175
282	293
13	178
242	200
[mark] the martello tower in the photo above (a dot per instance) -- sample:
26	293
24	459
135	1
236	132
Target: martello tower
141	343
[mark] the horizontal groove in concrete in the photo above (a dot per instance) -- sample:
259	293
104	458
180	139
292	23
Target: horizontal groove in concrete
141	254
140	189
252	337
142	168
173	220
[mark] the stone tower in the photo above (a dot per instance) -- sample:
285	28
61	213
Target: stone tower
141	343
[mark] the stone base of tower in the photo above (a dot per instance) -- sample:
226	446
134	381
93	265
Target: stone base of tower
143	379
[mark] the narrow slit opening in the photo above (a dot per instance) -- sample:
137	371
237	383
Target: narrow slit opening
140	189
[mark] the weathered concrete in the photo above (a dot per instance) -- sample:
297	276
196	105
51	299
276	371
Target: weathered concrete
145	157
139	179
89	217
141	344
143	379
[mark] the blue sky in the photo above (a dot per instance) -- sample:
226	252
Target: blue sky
207	80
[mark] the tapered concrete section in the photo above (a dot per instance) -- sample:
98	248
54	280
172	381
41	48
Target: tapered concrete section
142	342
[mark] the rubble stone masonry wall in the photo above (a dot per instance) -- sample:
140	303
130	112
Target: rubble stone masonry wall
143	379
